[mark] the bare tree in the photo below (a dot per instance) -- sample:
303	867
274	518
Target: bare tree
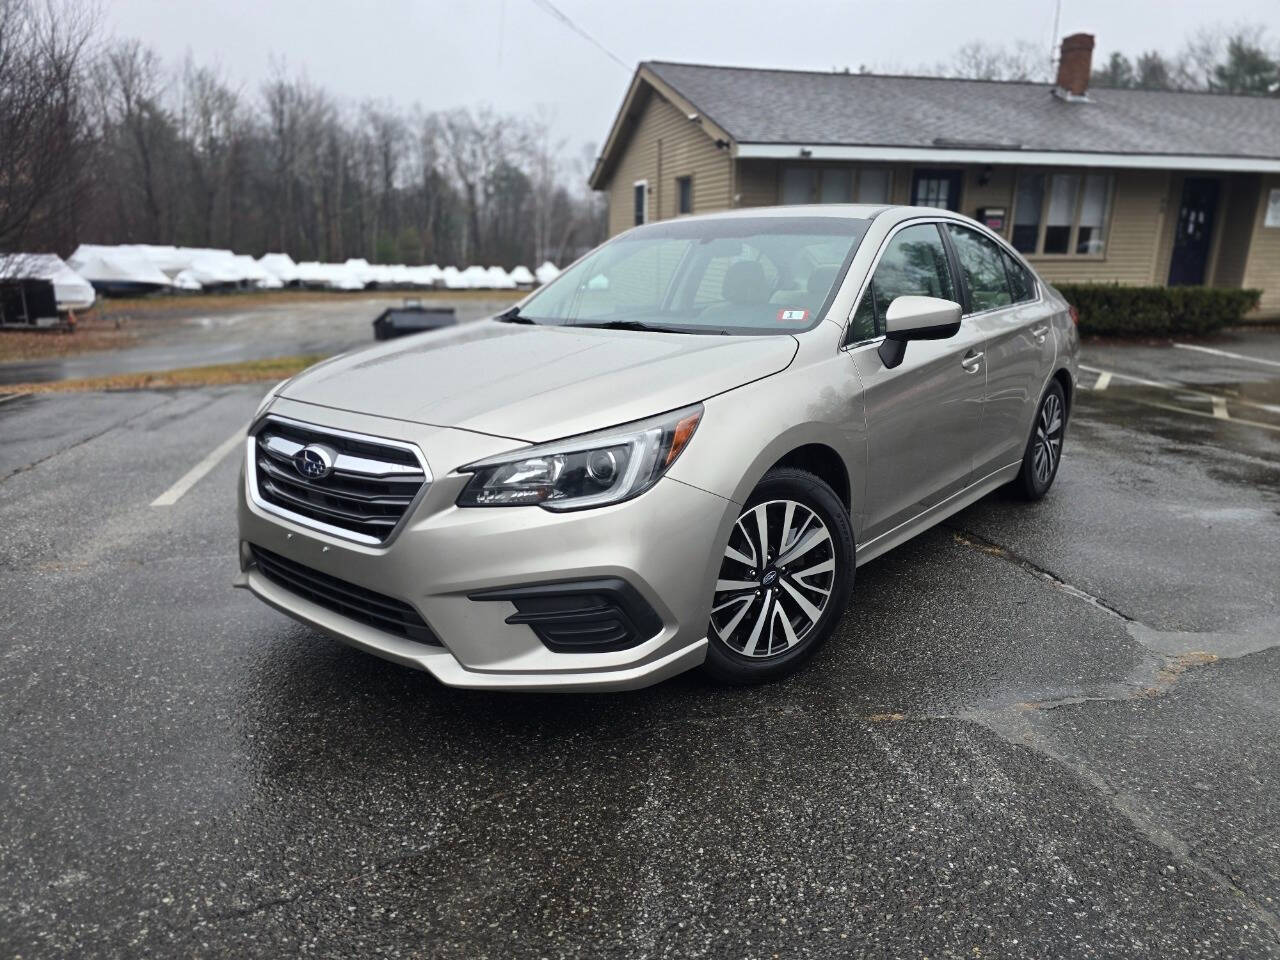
132	77
44	136
182	156
209	126
979	60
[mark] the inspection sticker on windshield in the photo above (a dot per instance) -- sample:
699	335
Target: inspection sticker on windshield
792	316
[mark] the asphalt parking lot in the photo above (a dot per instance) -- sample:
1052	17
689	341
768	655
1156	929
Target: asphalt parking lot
1046	730
224	331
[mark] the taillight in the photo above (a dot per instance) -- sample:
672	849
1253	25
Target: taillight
1075	314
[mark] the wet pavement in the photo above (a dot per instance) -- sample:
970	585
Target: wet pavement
1045	730
221	335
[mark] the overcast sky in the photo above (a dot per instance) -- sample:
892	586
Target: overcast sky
515	56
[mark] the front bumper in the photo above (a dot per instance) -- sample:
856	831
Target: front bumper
663	544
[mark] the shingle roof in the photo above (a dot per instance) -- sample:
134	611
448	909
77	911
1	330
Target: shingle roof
788	106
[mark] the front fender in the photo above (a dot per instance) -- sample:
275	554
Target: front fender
746	431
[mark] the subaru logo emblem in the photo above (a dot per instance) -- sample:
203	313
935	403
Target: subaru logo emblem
769	579
314	461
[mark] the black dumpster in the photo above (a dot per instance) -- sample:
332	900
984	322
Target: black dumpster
411	318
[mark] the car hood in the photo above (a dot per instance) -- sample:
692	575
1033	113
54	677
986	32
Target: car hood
537	383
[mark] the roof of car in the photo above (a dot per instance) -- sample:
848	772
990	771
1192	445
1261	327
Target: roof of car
845	211
791	106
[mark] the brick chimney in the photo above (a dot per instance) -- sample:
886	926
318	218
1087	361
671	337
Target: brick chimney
1075	65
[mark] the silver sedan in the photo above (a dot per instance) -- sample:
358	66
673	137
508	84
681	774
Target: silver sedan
674	455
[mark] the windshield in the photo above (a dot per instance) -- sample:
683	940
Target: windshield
753	275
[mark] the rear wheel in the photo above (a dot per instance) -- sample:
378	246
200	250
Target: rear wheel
1044	447
784	579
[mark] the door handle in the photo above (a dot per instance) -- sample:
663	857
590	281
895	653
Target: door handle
1040	332
971	361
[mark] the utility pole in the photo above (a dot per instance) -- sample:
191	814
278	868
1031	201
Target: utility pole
1053	40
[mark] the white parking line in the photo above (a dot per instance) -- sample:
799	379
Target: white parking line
1200	413
1220	408
1126	376
1227	353
1103	381
192	476
14	396
1180	388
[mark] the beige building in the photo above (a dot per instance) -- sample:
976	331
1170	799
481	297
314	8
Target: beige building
1102	185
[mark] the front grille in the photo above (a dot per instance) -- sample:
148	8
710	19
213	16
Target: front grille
365	606
372	483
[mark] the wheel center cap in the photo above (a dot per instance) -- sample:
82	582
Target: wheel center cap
770	578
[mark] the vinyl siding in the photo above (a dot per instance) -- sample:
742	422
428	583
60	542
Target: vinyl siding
996	192
1262	268
757	183
1236	229
663	146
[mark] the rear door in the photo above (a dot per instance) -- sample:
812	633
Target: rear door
1003	304
923	416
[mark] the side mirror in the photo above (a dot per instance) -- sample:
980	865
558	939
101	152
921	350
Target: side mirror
916	318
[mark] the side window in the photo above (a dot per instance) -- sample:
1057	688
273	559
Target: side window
914	264
1020	283
982	261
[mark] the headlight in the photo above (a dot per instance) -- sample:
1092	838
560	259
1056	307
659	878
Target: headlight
588	471
271	395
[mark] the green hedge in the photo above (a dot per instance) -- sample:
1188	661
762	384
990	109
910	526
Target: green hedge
1113	310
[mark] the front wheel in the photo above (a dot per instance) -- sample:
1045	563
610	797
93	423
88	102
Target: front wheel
784	579
1044	447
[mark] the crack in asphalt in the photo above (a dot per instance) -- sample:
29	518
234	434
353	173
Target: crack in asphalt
1015	726
89	439
970	539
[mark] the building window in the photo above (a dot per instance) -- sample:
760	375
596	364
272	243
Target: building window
684	195
1061	213
641	201
873	185
815	184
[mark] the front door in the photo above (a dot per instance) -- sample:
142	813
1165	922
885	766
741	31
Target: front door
922	416
936	188
1190	260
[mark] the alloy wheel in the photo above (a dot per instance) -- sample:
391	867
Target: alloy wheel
775	581
1048	443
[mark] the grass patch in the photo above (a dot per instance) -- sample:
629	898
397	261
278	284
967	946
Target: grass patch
250	371
18	346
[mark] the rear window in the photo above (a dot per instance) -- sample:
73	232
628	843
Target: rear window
747	275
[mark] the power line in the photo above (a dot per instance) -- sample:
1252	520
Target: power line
548	7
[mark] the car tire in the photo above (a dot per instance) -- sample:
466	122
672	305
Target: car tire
1043	454
771	617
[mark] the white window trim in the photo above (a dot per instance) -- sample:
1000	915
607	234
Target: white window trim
645	184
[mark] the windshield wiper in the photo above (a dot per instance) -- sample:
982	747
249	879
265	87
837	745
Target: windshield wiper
513	315
631	325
